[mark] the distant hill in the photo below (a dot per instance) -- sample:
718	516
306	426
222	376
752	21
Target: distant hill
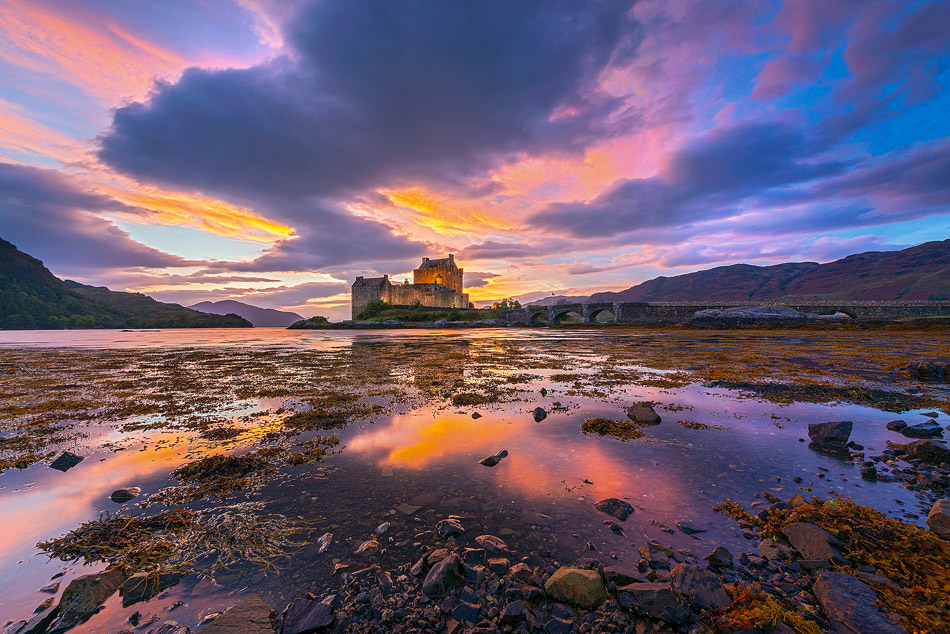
33	298
260	317
917	273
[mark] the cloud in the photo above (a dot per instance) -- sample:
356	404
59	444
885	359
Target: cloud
46	216
474	279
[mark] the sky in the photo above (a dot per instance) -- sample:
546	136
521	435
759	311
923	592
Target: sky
270	151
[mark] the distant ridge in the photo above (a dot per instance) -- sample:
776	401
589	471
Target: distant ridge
260	317
921	272
33	298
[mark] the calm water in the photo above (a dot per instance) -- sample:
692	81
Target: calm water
538	499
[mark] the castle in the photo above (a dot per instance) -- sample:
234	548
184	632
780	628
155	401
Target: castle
436	283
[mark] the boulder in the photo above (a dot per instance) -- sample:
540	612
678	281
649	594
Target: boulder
66	461
655	556
140	588
449	528
250	616
643	413
656	600
932	451
813	542
929	429
83	596
577	586
444	576
702	588
305	616
720	556
616	507
830	435
539	414
121	496
896	425
939	518
492	544
851	605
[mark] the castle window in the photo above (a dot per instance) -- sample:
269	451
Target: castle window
438	279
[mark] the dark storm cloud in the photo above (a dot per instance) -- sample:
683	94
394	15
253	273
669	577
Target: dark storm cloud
372	93
48	217
709	177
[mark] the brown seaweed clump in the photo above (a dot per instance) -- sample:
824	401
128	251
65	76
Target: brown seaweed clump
619	429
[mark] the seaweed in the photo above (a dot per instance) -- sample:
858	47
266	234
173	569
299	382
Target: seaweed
619	429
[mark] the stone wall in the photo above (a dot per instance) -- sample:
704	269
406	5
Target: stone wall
434	295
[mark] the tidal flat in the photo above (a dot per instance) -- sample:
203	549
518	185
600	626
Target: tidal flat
330	464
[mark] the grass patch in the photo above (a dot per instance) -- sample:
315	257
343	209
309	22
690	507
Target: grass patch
619	429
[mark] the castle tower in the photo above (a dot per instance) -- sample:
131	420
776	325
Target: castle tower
442	271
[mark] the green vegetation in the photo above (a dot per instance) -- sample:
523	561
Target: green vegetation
379	310
33	298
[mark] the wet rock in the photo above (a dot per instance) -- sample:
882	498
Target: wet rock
520	572
643	413
539	414
369	546
869	473
702	588
173	627
323	542
656	600
832	436
720	556
929	429
813	542
305	616
939	518
492	544
655	556
121	496
774	551
449	528
557	625
407	509
382	528
932	451
50	588
688	528
491	461
250	616
83	596
66	461
499	565
45	605
512	614
613	506
896	425
476	415
38	624
444	576
851	605
474	556
929	372
577	586
141	588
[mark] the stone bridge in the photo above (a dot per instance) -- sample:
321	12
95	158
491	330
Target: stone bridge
661	313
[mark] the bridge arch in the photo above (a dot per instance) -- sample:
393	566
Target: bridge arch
539	318
602	315
558	316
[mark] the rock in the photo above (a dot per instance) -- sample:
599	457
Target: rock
932	451
382	528
539	414
473	556
323	542
520	571
499	565
544	391
851	605
702	588
121	496
140	588
83	596
449	528
613	506
305	616
896	425
66	461
813	542
830	435
773	551
250	616
656	600
720	556
444	576
929	372
50	588
512	614
476	415
491	461
173	627
869	473
643	413
577	586
492	544
369	546
939	518
37	625
466	612
45	605
557	625
929	429
655	556
688	528
407	509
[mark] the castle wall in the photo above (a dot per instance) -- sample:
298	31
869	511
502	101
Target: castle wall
361	295
427	295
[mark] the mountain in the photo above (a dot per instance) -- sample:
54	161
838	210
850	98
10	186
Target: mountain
33	298
260	317
917	273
